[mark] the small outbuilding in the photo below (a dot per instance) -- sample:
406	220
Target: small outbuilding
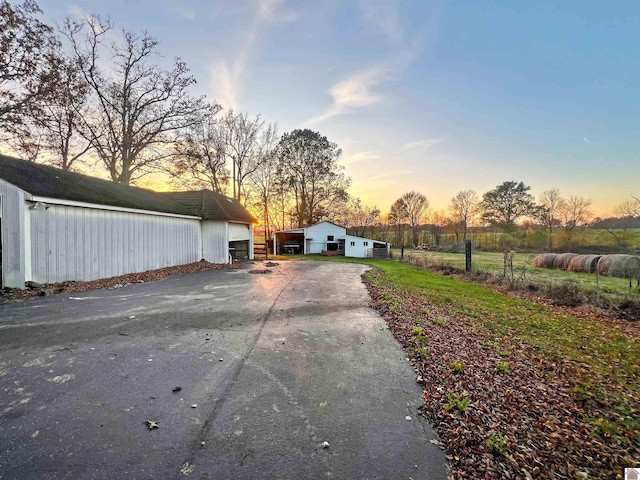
328	237
58	226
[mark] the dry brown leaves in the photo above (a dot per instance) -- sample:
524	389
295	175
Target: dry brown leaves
115	282
530	403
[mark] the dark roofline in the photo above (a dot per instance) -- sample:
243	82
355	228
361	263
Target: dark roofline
51	182
212	205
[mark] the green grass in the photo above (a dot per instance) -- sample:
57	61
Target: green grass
493	262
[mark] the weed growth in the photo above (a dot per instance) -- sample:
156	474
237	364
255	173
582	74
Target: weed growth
457	401
457	367
498	443
502	366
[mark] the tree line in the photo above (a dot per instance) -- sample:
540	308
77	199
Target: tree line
506	208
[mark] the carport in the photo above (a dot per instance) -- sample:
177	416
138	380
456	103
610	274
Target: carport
290	242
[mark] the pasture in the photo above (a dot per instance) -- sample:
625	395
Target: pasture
524	269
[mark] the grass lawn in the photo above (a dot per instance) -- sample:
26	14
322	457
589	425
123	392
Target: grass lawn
599	359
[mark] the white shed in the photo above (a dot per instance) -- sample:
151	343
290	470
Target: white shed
328	237
60	226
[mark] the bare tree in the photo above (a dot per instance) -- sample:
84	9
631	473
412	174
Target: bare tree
135	106
551	204
464	209
575	212
200	160
53	126
396	218
262	178
412	206
29	65
364	217
628	209
439	223
627	212
241	135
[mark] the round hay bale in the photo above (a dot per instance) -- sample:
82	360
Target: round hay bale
545	260
562	260
619	265
584	263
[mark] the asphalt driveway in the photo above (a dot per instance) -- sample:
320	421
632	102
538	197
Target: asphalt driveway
269	367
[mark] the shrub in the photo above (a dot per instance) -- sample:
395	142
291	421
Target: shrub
566	294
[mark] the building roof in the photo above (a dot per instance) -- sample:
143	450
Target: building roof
213	206
46	181
304	229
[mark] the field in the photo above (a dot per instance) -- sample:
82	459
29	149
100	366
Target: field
493	262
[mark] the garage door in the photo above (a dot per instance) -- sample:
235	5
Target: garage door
238	231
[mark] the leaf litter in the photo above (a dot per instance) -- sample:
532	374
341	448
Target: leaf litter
510	412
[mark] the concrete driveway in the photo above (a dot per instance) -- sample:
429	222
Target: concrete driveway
270	366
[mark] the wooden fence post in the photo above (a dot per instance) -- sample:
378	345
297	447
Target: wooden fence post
467	255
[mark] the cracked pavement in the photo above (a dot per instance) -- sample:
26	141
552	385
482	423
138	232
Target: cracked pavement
270	366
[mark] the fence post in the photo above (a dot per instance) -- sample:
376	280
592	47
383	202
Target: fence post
467	255
402	251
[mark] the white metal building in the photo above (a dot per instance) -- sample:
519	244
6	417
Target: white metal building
327	236
60	226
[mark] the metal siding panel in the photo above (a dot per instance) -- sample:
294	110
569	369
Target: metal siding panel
215	241
77	243
13	235
95	245
75	257
38	246
238	232
86	244
119	254
140	245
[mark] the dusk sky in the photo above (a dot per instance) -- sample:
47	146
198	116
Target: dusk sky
433	96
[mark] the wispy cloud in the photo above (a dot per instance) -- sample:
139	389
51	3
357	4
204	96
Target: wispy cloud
422	144
355	92
227	74
364	88
359	157
383	16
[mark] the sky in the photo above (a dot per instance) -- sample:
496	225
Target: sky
433	96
